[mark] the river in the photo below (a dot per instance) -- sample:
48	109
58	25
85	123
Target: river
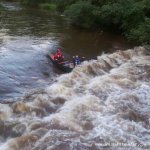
28	35
103	104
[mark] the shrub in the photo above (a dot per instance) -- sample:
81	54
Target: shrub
141	34
48	6
82	14
63	4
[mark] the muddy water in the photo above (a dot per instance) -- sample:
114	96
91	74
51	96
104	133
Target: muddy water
103	104
27	35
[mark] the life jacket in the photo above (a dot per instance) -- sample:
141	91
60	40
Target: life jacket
58	55
77	61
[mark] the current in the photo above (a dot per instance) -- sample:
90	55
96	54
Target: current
103	104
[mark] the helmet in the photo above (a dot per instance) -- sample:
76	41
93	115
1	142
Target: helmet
58	50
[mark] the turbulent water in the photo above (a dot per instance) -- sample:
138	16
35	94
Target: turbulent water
101	104
28	35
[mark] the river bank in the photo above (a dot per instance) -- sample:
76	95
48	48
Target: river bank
131	18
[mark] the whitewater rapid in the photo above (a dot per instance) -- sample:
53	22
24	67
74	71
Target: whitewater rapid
101	104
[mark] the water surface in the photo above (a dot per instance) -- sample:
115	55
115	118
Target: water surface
102	104
28	35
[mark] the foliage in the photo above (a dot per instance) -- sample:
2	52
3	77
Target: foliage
82	14
141	34
48	6
63	4
131	17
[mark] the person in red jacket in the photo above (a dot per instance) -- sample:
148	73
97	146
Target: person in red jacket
58	55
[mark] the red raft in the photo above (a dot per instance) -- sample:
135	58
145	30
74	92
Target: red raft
65	66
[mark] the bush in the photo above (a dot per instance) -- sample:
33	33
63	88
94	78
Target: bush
63	4
111	15
130	16
48	6
81	14
141	34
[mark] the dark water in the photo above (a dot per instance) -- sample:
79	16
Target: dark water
28	35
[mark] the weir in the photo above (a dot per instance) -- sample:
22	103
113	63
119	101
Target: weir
101	103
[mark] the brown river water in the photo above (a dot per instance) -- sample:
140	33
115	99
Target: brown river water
103	104
27	36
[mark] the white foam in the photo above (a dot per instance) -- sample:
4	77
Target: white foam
104	99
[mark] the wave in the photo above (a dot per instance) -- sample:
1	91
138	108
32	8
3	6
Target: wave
103	103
